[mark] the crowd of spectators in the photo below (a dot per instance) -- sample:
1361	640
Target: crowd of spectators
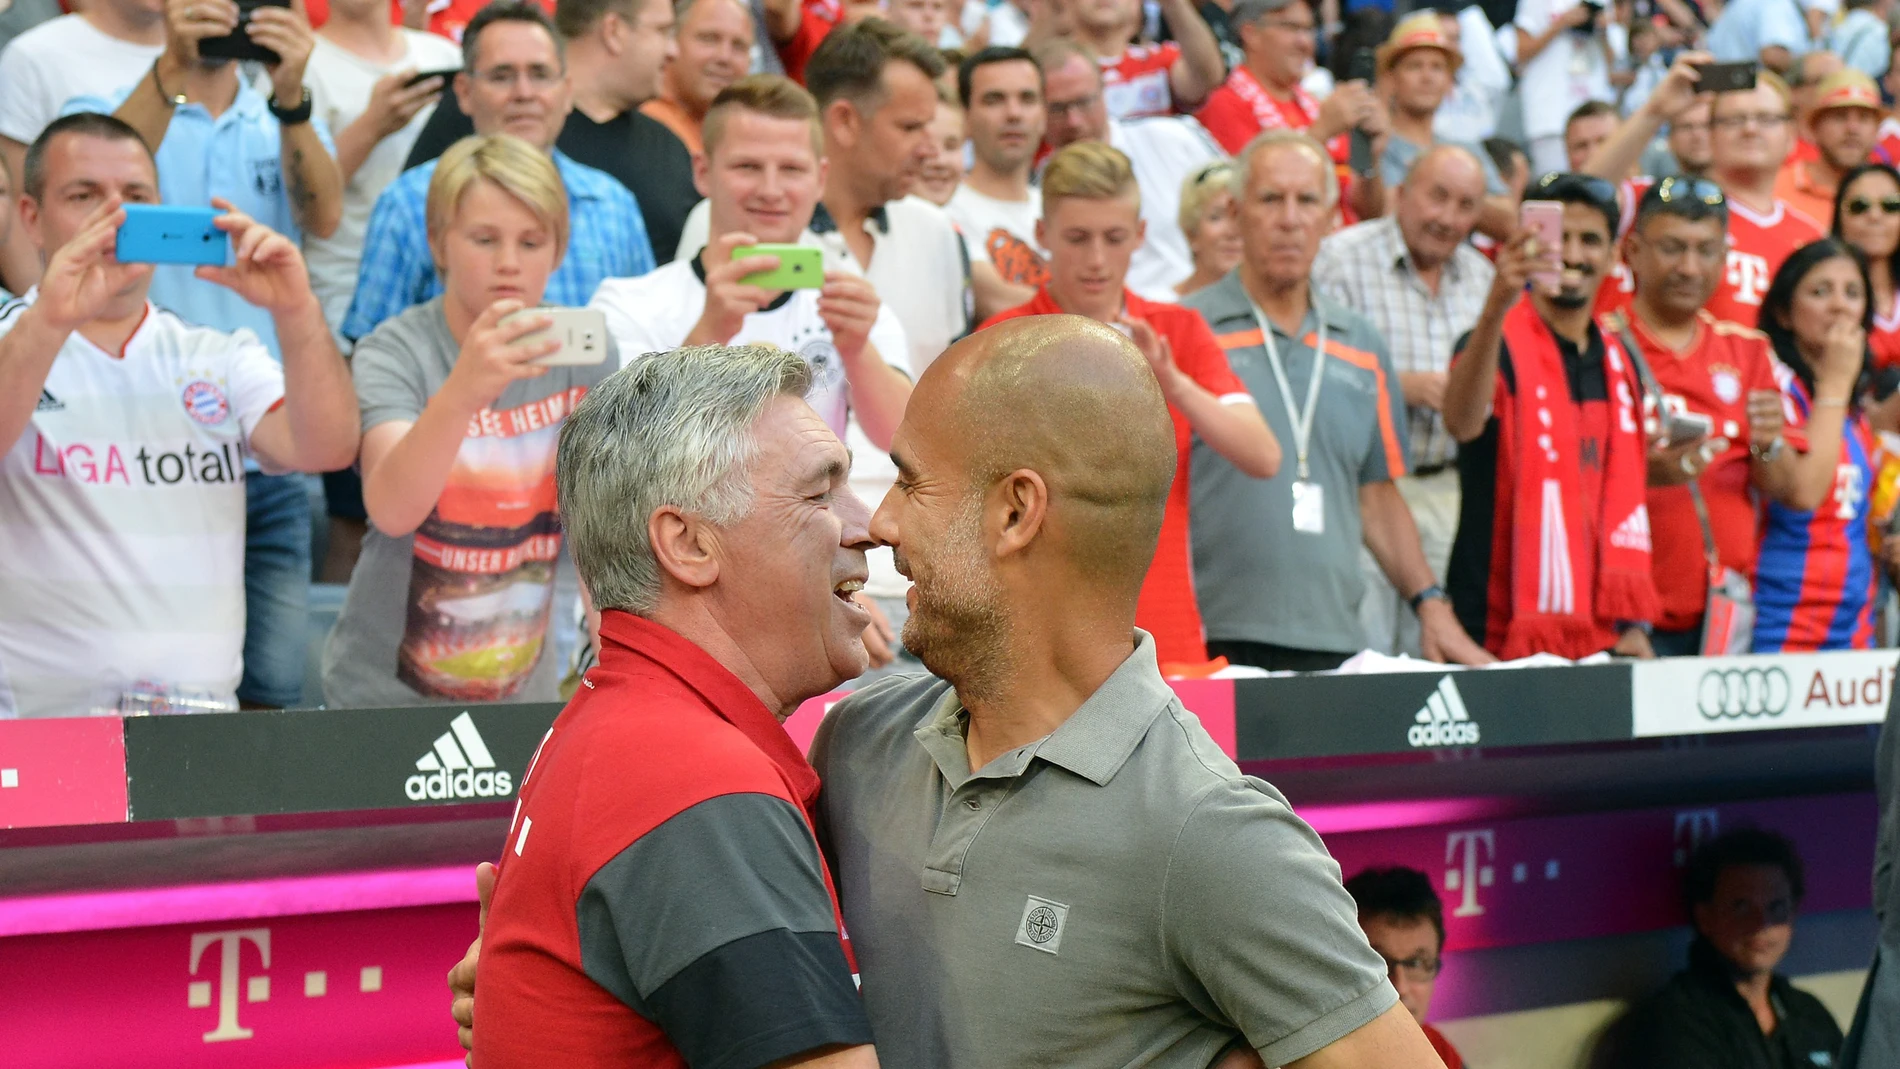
1405	421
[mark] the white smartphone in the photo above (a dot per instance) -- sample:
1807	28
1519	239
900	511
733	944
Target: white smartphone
582	333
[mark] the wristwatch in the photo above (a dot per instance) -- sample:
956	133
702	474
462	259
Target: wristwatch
296	116
1427	594
1771	453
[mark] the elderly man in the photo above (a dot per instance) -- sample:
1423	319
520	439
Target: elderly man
514	81
1418	281
1843	121
1748	142
715	50
1261	545
113	412
616	937
1164	152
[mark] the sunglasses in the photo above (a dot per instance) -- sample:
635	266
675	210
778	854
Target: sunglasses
1674	190
1861	205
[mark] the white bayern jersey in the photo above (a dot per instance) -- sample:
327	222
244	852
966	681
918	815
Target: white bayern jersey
122	518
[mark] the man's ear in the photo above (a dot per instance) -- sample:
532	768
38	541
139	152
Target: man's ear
1017	507
686	546
842	122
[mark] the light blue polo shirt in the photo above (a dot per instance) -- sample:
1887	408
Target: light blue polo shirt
237	156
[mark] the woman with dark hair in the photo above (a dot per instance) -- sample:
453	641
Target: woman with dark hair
1867	216
1815	579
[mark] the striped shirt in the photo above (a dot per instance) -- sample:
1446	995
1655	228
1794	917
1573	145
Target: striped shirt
1367	268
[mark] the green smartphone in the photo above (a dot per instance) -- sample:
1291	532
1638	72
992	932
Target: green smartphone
800	267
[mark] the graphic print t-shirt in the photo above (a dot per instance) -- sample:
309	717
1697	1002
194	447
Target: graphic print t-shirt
457	611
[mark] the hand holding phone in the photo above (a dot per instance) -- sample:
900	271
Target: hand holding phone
1544	219
236	43
1725	77
800	267
580	332
171	234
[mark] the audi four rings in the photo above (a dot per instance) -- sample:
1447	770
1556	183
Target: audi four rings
1738	692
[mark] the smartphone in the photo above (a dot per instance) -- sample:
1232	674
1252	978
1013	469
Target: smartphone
447	74
238	44
1725	77
582	333
1545	219
171	234
1685	427
800	267
1364	66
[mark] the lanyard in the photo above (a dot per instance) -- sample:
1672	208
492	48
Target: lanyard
1302	421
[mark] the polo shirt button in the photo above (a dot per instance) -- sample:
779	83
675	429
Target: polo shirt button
972	804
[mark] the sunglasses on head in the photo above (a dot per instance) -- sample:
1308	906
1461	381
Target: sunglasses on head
1675	189
1861	205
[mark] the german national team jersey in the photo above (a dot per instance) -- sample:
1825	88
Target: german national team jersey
1135	83
1757	244
1167	609
122	519
661	900
1815	580
1711	376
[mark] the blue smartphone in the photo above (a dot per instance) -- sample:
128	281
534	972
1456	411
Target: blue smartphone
171	234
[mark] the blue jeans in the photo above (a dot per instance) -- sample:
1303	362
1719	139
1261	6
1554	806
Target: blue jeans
276	588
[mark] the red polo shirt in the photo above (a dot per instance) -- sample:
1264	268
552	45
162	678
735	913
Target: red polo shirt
1167	609
661	899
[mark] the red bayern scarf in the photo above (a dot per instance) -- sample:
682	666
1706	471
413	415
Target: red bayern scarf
1564	593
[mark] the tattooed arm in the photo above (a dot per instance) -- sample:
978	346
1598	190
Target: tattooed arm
312	181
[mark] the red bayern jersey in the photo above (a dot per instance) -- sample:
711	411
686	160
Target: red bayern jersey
1710	376
1135	84
1241	107
1167	609
1757	245
1884	342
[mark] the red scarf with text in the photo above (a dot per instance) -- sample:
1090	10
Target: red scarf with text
1565	593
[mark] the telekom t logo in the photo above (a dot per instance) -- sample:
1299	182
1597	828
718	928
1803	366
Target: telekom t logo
1749	275
231	947
1470	852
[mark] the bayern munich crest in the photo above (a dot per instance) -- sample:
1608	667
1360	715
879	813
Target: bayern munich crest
205	402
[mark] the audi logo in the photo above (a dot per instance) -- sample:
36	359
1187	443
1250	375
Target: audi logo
1731	693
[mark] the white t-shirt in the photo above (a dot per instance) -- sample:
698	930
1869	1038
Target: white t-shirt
918	267
58	60
1001	231
1571	69
340	83
1163	151
655	312
122	519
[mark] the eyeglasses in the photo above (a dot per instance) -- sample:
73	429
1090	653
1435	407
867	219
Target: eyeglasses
1058	108
1861	206
1419	969
1303	29
539	76
1764	120
1689	127
1678	189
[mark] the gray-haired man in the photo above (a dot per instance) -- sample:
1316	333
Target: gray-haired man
685	912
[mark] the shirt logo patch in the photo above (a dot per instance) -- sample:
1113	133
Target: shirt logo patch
1727	386
267	176
1042	924
49	403
205	403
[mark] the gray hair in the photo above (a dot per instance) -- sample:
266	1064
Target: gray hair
670	429
1248	12
1272	139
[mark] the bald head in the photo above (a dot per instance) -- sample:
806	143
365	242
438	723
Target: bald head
1034	462
1439	203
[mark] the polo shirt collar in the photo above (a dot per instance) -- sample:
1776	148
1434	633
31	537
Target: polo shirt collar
1094	742
823	223
624	637
1234	302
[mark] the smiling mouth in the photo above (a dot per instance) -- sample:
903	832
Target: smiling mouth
843	591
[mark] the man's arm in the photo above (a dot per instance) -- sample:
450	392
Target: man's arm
1472	380
1231	424
1391	1041
1392	537
879	392
993	293
782	19
19	260
391	105
1617	157
148	109
316	428
1200	70
311	179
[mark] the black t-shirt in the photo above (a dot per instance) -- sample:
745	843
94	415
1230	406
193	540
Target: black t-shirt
1468	577
1700	1021
641	153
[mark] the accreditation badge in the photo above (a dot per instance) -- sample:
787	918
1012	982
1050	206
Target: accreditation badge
1309	508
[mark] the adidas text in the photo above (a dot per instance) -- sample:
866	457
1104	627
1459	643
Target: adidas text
1444	720
458	766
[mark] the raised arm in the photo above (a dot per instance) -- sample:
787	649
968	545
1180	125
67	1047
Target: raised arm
311	178
149	107
1472	380
879	392
1618	156
1801	480
1232	425
1200	70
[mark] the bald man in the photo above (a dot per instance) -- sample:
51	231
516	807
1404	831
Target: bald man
1415	277
1042	858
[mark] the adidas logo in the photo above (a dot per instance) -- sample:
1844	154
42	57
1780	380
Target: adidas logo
1633	532
1443	721
49	403
459	766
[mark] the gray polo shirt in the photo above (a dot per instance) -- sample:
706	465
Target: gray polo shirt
1114	894
1257	578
